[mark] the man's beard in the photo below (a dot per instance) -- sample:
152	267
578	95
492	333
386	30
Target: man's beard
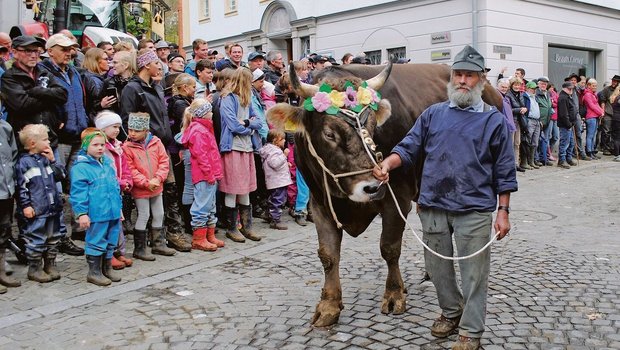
465	99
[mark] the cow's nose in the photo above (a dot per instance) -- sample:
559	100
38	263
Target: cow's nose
371	189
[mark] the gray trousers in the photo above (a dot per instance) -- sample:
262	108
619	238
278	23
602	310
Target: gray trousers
471	231
146	206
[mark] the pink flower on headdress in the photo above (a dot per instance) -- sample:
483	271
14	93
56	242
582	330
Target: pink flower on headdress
351	98
373	95
321	101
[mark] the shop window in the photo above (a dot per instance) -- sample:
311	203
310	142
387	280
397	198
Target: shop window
374	56
566	61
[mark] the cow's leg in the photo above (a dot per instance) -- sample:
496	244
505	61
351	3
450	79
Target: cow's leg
330	238
394	299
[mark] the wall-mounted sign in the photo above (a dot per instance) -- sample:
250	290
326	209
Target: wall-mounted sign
502	49
441	55
443	37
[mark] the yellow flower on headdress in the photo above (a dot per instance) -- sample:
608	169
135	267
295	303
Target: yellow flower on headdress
364	96
337	98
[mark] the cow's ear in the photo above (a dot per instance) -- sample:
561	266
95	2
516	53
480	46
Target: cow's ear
384	111
286	117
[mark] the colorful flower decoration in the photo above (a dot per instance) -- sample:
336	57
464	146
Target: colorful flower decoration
330	101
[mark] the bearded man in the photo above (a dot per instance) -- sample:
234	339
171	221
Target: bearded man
468	164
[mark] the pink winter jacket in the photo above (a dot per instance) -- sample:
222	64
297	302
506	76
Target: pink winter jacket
146	160
275	166
205	155
114	150
590	100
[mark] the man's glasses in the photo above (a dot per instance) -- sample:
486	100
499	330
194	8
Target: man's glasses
29	51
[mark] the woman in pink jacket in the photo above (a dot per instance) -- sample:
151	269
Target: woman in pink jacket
594	111
149	165
199	139
277	176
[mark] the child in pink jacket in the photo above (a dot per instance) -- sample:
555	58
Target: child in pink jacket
206	165
277	176
149	165
110	124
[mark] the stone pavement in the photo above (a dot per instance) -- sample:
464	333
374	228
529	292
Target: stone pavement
555	284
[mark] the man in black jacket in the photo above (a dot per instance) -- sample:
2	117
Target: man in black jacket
567	117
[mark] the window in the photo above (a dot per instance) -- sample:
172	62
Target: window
374	56
258	48
305	45
205	9
564	61
396	53
231	7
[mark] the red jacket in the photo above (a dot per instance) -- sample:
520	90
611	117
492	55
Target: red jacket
590	100
146	160
119	162
205	155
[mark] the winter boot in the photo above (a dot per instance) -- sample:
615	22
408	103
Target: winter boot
232	232
158	242
49	266
172	215
178	241
108	271
35	271
117	264
4	279
300	219
211	237
276	225
530	157
245	214
199	240
94	271
139	250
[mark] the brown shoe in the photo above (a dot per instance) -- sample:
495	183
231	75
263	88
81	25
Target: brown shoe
466	343
443	326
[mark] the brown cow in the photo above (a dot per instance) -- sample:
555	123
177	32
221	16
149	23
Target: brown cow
357	199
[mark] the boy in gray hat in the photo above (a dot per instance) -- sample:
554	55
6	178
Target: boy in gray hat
459	192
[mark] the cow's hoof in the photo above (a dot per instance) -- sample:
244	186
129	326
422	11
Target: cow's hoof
394	302
327	313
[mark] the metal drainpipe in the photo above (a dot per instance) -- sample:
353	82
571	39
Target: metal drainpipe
474	24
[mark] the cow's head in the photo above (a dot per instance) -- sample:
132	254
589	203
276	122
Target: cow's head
328	118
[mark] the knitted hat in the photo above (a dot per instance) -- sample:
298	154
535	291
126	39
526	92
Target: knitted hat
107	118
202	110
146	58
138	121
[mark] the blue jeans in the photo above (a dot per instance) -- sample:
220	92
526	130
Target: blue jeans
203	208
553	133
591	127
541	155
303	194
567	144
102	237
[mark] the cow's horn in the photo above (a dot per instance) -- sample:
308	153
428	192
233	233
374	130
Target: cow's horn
377	82
304	90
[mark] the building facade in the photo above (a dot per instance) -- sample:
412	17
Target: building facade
545	37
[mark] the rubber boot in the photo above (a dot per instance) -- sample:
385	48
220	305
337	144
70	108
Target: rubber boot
530	157
158	242
139	249
94	271
109	272
122	258
128	205
4	279
232	232
199	240
245	214
35	271
173	221
211	237
49	266
117	264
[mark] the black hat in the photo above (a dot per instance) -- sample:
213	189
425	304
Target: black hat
256	54
573	75
212	52
469	59
333	61
568	85
320	58
360	60
616	77
174	55
3	48
27	40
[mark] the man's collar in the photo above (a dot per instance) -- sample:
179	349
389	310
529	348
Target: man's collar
57	66
478	107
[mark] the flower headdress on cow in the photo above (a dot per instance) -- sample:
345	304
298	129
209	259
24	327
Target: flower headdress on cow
331	101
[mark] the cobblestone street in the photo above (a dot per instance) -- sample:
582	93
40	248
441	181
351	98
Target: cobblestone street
555	284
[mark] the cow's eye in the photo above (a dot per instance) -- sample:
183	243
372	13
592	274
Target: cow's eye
329	135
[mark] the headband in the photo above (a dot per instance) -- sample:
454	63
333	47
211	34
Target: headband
146	58
88	138
201	110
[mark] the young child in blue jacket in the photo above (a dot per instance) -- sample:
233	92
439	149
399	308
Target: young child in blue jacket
96	202
39	202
